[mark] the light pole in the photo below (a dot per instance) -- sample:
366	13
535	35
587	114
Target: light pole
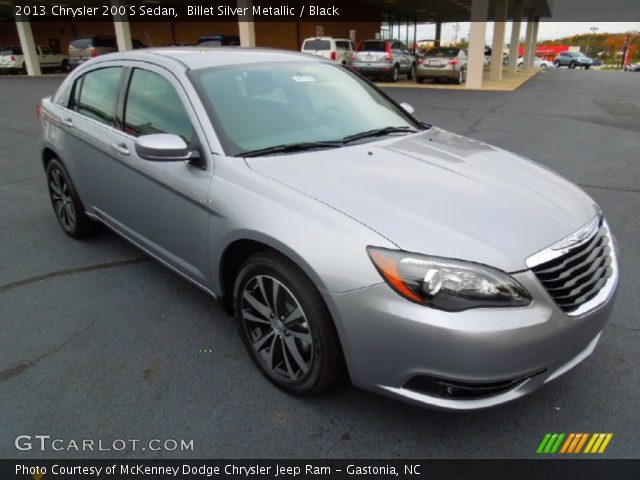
593	32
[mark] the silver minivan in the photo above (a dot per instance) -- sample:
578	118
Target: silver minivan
337	49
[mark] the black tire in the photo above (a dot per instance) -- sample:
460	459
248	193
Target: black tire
395	73
587	67
268	338
460	78
419	79
557	64
64	66
24	69
66	203
572	65
412	72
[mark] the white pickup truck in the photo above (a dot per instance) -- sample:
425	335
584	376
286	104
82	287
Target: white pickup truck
12	60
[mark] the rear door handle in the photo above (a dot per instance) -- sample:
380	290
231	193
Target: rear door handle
121	148
67	122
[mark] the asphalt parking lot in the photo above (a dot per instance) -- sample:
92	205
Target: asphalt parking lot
97	341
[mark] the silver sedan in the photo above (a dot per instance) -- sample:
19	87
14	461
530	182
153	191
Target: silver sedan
345	235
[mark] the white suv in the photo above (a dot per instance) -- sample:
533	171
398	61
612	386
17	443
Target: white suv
337	49
12	59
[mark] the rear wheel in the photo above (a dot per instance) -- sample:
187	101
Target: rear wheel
395	73
285	325
420	79
572	65
412	72
557	64
460	78
587	67
64	66
65	202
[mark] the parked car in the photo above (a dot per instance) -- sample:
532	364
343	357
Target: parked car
442	62
342	232
384	59
12	60
85	48
573	60
219	40
339	50
538	62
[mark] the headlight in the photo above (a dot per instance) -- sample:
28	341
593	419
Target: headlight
447	284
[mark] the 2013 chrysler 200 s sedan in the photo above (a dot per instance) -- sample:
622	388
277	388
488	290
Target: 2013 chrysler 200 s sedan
344	234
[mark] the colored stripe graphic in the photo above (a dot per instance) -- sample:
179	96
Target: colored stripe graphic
572	443
550	443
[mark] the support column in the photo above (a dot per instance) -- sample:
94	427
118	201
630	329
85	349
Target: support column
246	25
28	46
526	61
477	36
515	37
438	38
123	31
497	48
534	41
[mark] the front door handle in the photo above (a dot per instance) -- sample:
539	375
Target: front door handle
121	148
67	122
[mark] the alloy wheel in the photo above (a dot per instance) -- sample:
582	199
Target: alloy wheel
277	328
62	200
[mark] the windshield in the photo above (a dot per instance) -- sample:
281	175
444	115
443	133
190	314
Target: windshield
264	105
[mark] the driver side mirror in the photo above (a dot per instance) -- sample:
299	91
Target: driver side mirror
407	108
164	147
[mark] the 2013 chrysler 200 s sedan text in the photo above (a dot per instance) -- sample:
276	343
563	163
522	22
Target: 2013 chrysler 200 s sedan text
344	234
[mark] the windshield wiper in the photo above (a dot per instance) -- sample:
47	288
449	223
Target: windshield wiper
291	148
378	132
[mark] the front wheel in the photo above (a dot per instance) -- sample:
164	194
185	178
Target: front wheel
66	203
285	325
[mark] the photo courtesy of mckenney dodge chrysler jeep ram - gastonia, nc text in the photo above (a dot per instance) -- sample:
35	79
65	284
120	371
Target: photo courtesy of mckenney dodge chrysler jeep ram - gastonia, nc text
347	237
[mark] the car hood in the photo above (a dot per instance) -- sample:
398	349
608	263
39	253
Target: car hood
441	194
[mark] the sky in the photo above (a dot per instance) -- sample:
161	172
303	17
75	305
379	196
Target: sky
546	30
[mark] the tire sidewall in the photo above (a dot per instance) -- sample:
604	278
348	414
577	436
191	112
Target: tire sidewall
264	266
55	164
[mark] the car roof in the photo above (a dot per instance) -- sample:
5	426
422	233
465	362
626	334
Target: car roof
203	57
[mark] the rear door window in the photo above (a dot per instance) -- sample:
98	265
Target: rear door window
317	44
154	106
95	94
373	46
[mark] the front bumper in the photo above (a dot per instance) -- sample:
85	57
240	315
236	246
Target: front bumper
390	342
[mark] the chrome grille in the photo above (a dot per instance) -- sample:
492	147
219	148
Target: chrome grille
578	275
